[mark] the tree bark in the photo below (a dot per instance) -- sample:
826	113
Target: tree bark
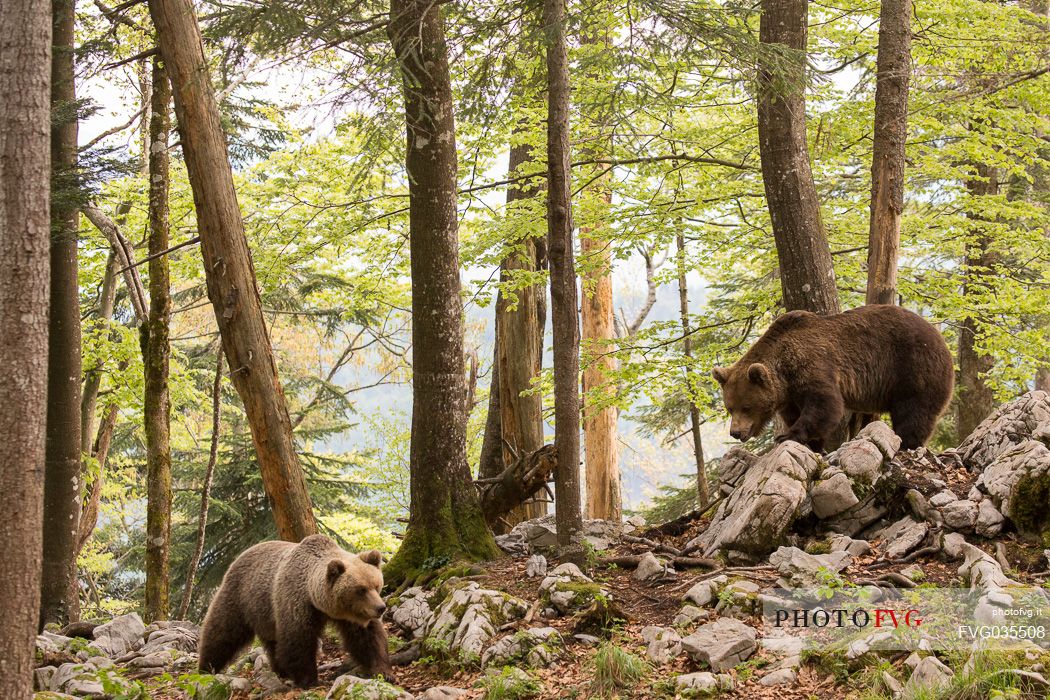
600	449
807	276
59	599
564	316
100	451
232	286
25	167
156	404
93	377
974	399
1042	379
209	473
703	491
893	69
520	348
445	519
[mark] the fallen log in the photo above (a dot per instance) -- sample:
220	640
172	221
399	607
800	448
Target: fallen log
523	479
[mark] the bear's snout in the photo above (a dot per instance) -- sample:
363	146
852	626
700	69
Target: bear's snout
738	435
380	609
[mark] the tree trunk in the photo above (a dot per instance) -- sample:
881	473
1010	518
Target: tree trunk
209	473
156	404
59	599
93	377
564	317
806	273
601	452
490	462
100	451
232	287
893	70
520	348
25	166
703	492
974	399
445	519
1042	379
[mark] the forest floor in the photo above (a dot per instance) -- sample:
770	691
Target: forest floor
643	603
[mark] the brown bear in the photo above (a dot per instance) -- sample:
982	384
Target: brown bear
284	594
811	369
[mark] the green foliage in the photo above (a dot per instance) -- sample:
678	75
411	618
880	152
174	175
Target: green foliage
509	683
616	669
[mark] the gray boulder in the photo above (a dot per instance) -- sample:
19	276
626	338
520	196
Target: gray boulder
1024	418
663	643
928	676
469	616
721	644
120	635
1016	481
959	515
800	569
989	520
350	687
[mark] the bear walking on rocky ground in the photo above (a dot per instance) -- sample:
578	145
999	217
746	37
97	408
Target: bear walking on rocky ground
285	594
811	369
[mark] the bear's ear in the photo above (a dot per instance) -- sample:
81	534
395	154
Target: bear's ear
335	569
759	374
720	373
373	557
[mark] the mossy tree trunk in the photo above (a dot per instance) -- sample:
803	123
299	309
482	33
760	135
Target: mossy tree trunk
445	520
703	490
59	601
156	407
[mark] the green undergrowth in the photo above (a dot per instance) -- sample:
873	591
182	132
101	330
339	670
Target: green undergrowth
616	669
509	683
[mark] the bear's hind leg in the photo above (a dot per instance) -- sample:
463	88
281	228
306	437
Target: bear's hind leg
367	645
914	422
224	634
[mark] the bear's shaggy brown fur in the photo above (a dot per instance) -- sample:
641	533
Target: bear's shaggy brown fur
284	594
810	370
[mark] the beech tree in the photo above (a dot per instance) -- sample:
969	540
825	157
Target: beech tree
156	354
807	276
893	69
25	167
230	274
445	519
703	491
59	599
564	316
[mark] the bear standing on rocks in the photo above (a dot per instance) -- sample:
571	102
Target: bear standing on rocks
284	594
811	369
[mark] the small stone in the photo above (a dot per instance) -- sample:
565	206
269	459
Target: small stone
721	644
690	615
914	572
917	504
953	544
960	515
903	536
942	498
442	692
800	569
349	686
664	644
42	677
832	496
649	567
845	543
536	566
783	676
989	520
893	686
702	682
587	639
703	592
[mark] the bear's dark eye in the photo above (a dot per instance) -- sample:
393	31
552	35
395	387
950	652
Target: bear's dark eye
360	590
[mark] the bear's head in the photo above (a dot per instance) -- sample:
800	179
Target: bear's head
351	586
752	394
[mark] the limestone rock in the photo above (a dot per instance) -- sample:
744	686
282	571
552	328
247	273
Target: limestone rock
442	692
756	516
833	495
782	676
732	467
664	644
703	592
903	536
568	589
349	687
982	571
649	567
989	520
721	644
800	569
412	613
689	615
1017	481
953	545
942	498
845	543
120	635
536	566
535	647
703	683
469	616
960	515
1024	418
739	599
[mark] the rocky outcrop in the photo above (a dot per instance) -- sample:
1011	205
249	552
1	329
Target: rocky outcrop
468	617
1025	418
1017	482
721	644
